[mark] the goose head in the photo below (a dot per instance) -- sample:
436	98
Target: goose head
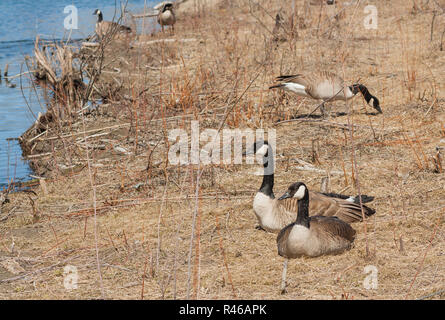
259	148
99	14
264	155
296	190
167	6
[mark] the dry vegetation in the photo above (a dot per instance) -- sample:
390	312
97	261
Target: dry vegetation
136	226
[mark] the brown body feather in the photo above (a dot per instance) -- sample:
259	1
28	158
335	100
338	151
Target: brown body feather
167	18
327	235
320	204
104	27
319	85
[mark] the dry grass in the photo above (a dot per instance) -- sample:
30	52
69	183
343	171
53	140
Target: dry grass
148	209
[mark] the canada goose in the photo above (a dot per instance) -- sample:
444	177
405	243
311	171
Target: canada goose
274	214
104	27
166	16
324	86
311	236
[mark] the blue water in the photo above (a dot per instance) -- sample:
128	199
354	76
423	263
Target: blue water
20	22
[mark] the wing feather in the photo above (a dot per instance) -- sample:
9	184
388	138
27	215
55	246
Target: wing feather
333	226
333	206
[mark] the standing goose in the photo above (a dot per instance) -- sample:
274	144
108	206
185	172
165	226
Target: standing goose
104	27
274	214
311	236
166	16
324	86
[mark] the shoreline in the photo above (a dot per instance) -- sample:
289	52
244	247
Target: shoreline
28	139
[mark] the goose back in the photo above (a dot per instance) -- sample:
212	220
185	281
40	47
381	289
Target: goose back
326	235
104	27
319	85
348	211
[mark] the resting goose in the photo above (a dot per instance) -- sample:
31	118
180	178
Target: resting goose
325	86
274	214
311	236
104	27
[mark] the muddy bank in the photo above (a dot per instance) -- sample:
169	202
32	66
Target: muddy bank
96	92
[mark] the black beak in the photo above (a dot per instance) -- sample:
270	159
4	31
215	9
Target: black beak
285	196
247	152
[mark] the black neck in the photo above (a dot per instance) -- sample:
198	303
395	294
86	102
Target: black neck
100	17
365	93
268	176
267	185
356	88
368	97
303	211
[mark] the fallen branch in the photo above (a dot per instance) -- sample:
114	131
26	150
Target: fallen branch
8	214
33	156
89	131
144	43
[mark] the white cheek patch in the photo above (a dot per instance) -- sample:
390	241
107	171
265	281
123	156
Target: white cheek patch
300	193
351	199
263	150
371	101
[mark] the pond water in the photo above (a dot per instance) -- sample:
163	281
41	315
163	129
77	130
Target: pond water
21	22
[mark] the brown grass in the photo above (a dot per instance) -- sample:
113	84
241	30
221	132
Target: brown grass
172	232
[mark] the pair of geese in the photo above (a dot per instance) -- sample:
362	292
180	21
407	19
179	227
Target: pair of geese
308	223
166	17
